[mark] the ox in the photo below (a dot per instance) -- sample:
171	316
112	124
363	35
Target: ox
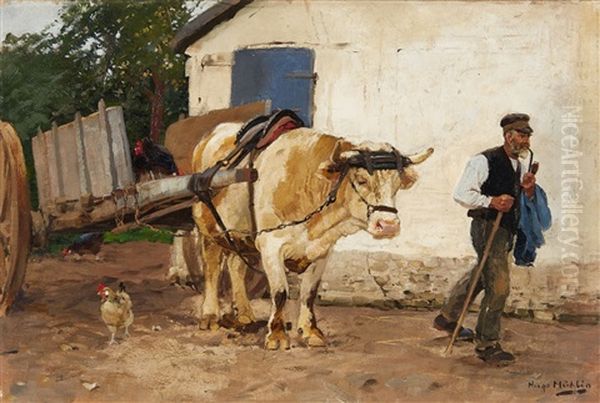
295	176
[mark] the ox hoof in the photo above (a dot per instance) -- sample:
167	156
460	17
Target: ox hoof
209	322
313	337
276	341
316	341
246	318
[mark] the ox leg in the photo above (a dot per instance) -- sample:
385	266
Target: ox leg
211	256
237	273
270	249
307	321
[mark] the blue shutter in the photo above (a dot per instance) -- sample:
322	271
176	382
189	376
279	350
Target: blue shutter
283	75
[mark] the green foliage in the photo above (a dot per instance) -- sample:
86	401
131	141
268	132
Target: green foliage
128	54
140	234
33	84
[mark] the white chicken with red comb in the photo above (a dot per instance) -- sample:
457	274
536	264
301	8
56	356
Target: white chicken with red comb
116	309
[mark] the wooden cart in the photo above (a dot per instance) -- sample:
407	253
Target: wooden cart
86	182
15	219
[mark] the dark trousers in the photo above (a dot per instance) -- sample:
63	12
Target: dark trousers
494	281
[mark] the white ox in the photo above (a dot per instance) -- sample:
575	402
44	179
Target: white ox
293	180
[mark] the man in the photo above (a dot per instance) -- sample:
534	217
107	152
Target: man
492	182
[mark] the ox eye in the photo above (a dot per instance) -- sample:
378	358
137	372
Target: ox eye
361	181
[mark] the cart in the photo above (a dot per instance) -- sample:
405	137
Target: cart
86	183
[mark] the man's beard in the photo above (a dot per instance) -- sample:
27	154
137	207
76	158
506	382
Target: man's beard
519	151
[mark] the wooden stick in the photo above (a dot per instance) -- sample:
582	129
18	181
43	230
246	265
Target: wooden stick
474	280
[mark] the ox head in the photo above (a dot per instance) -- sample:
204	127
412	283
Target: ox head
375	173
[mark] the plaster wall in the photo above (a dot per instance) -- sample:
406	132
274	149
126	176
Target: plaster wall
442	74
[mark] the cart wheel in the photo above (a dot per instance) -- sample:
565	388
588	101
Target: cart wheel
15	216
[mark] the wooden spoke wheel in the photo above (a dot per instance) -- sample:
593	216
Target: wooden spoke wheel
15	216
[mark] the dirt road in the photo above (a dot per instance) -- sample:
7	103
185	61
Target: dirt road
54	342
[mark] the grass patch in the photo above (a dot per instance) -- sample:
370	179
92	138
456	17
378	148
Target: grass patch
58	242
140	234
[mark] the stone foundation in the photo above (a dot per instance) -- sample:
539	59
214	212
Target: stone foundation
385	280
382	279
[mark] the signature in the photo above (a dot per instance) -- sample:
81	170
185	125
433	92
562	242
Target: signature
561	387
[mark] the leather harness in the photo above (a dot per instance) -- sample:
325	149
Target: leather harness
250	141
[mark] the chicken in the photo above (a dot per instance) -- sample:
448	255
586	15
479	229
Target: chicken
89	243
151	161
116	309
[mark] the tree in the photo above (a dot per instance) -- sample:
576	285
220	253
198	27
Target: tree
128	44
116	50
33	84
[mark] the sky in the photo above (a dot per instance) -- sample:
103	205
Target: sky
22	16
26	16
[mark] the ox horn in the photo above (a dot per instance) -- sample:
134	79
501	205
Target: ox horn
418	158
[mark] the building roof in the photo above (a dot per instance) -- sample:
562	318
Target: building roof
201	25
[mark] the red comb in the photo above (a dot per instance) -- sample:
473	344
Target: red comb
100	288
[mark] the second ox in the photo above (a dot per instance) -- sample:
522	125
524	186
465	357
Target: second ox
296	175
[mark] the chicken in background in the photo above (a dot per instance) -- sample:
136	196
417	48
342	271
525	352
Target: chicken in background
115	309
88	243
152	161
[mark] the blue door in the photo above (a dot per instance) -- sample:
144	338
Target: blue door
283	75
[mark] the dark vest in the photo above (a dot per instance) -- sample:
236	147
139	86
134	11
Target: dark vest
502	179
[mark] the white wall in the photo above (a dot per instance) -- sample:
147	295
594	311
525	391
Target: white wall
439	74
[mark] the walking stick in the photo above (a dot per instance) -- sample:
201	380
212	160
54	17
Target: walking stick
474	281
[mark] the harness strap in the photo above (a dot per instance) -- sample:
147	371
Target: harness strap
373	208
260	132
251	194
401	161
205	197
200	185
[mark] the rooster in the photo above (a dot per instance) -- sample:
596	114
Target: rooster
90	242
152	160
115	309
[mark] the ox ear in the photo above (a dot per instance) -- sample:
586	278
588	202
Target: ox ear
330	169
408	178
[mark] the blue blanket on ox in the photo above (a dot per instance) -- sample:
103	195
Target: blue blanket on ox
535	219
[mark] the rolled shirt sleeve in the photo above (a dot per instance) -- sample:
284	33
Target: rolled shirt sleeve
467	192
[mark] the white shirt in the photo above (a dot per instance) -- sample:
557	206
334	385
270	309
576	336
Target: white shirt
467	192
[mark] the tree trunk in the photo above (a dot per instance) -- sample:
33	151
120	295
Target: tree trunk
158	107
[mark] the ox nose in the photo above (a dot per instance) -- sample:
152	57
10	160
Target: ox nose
387	227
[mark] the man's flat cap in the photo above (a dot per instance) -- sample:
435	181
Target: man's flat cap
516	121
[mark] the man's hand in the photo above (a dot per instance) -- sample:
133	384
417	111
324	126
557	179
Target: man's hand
528	184
502	203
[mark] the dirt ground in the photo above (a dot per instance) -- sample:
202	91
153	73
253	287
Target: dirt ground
54	342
